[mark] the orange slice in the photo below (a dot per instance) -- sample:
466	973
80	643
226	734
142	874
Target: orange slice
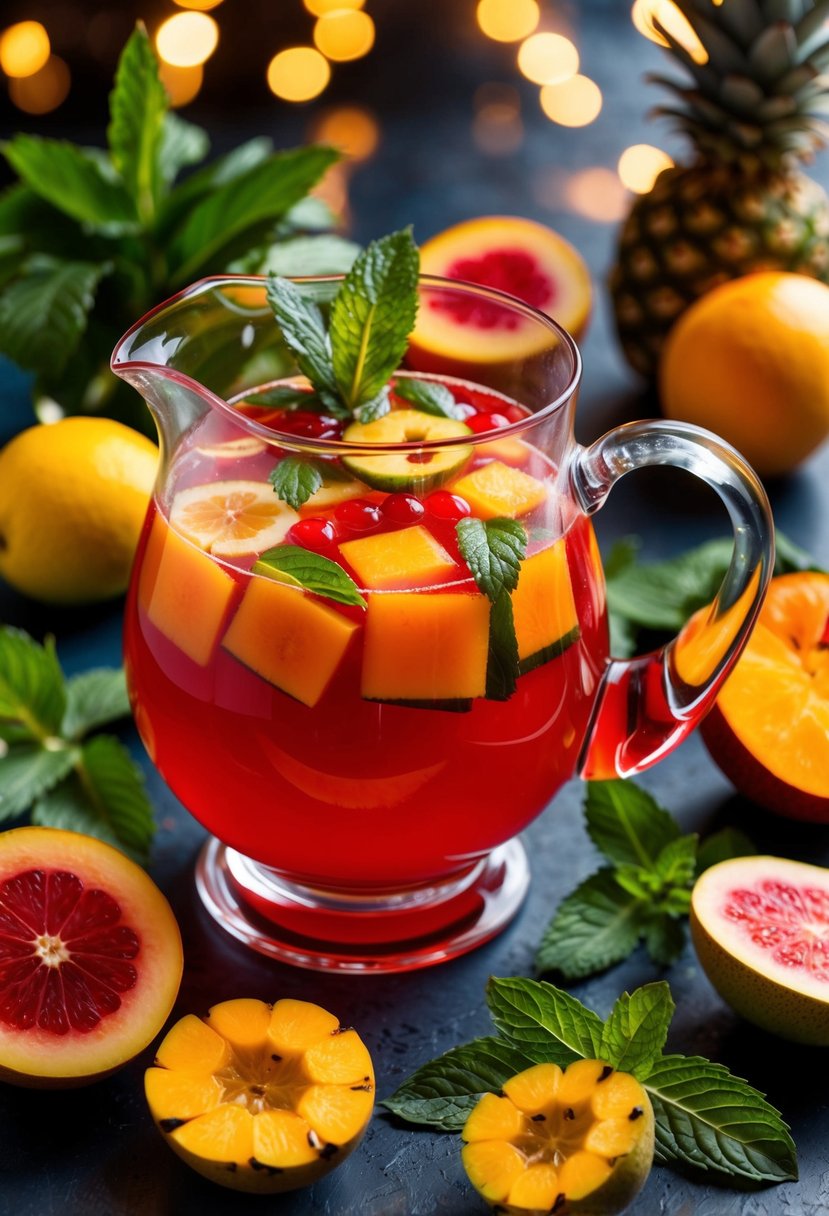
231	518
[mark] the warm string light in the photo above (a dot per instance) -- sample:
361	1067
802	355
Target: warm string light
573	103
298	73
497	128
548	58
319	8
202	6
187	39
352	129
44	90
640	166
646	13
24	49
344	34
182	84
507	20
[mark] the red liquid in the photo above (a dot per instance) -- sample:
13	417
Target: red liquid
350	793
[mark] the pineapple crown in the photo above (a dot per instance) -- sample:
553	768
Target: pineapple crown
761	98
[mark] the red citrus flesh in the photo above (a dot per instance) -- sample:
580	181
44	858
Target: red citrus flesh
90	958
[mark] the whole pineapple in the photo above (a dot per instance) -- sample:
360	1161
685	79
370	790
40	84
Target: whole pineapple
753	111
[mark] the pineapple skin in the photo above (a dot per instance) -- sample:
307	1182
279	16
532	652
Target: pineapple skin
700	226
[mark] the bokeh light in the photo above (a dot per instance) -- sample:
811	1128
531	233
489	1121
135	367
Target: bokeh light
344	34
187	39
43	91
573	103
597	194
640	166
320	7
24	49
646	12
298	73
507	20
497	128
203	6
548	58
352	129
182	84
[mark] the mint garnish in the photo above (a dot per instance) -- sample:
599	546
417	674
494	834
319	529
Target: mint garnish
304	331
493	550
707	1121
311	571
295	480
47	762
429	397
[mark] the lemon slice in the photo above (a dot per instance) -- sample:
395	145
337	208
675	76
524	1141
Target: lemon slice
231	518
233	449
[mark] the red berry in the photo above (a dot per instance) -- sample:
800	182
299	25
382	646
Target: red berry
516	413
358	514
481	423
443	505
313	533
403	508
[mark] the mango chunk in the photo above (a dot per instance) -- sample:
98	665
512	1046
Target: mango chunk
496	489
223	1134
288	638
408	558
543	607
185	593
421	647
509	450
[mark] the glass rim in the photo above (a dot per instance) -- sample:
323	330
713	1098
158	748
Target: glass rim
341	446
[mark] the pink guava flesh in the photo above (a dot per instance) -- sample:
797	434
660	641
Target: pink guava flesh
791	923
511	270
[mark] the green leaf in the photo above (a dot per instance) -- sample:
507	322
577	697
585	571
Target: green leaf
67	806
443	1092
138	105
677	861
74	180
94	698
378	407
219	172
262	193
716	1123
790	558
429	397
114	788
502	663
285	398
372	316
315	573
294	480
303	329
665	939
44	313
27	770
635	1033
597	925
31	683
626	823
493	549
535	1016
622	555
723	845
325	254
182	144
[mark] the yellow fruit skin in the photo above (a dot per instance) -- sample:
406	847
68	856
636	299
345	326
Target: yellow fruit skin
72	502
750	361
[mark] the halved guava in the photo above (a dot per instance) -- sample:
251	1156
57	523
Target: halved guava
90	958
760	927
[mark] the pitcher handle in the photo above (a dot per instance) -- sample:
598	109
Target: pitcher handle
647	705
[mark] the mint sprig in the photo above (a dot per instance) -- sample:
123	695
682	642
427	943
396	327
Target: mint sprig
305	332
708	1121
294	480
50	763
493	550
429	397
643	895
311	571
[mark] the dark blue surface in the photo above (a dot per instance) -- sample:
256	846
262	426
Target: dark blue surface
94	1152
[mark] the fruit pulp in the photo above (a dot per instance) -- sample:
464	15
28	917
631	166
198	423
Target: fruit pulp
321	783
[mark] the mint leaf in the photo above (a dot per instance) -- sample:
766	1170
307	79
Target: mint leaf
183	139
429	397
665	939
138	105
182	144
312	571
493	549
721	846
378	407
539	1018
295	480
372	316
74	180
677	861
626	823
94	698
597	925
45	311
712	1121
442	1093
502	664
114	788
303	329
67	806
635	1033
323	254
27	770
31	683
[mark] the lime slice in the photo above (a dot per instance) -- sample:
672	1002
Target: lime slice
415	471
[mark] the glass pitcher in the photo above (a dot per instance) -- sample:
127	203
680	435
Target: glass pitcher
364	764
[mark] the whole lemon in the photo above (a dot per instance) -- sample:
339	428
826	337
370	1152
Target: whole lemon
750	360
72	500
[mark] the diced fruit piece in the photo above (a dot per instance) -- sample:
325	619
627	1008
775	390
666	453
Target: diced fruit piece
511	254
90	958
760	927
496	489
185	594
425	647
769	728
332	491
508	450
411	557
419	471
231	518
290	1099
540	1147
288	638
543	607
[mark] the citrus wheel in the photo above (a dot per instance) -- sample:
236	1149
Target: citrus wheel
231	518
